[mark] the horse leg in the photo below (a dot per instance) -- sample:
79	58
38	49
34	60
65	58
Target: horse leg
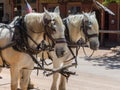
0	72
24	80
56	64
55	79
62	85
14	78
1	63
30	84
63	80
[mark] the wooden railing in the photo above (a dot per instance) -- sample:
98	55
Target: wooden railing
102	32
110	31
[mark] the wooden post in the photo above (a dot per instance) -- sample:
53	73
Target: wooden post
37	5
102	27
12	9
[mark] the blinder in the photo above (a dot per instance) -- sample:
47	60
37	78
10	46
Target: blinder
86	25
50	30
49	24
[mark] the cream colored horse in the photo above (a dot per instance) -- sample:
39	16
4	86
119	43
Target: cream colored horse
83	26
21	63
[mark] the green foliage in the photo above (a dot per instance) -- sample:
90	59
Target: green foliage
106	2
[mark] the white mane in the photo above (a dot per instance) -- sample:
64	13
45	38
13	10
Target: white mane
74	22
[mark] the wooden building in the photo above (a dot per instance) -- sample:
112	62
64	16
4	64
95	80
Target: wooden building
106	21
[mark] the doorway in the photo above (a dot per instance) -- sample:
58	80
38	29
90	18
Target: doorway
1	11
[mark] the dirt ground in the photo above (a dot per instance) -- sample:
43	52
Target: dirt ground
100	72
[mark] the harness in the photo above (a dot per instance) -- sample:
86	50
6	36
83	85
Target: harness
85	27
20	39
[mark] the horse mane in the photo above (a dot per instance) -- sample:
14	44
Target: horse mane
34	21
75	20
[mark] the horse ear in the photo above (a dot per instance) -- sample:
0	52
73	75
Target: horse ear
83	12
85	16
57	10
47	12
93	13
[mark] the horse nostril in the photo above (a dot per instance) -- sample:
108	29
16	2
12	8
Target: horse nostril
60	52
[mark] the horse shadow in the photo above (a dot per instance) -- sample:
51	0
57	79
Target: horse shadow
109	62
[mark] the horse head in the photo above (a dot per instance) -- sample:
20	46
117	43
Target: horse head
49	23
90	29
56	28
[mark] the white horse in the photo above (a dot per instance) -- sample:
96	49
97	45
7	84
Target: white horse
6	34
36	25
83	26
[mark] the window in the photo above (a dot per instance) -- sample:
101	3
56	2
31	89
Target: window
32	1
18	1
74	10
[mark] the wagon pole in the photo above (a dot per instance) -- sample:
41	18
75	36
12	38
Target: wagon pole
61	70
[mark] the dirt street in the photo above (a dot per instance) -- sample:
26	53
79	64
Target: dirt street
100	72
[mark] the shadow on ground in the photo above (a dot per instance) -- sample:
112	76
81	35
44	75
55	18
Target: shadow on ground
106	60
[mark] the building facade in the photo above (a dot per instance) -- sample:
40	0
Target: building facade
106	21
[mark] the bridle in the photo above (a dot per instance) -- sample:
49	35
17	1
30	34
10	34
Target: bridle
50	30
85	26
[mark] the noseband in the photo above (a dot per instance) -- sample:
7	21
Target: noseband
85	27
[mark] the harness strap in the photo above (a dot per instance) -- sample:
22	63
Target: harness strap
35	61
67	36
46	33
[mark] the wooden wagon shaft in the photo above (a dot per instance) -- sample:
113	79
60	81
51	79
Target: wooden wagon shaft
64	67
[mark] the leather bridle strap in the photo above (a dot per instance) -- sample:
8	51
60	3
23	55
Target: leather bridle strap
60	40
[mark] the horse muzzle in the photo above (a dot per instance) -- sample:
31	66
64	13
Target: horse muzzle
94	45
60	52
60	47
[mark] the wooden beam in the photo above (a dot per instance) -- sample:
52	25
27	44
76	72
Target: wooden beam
110	31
